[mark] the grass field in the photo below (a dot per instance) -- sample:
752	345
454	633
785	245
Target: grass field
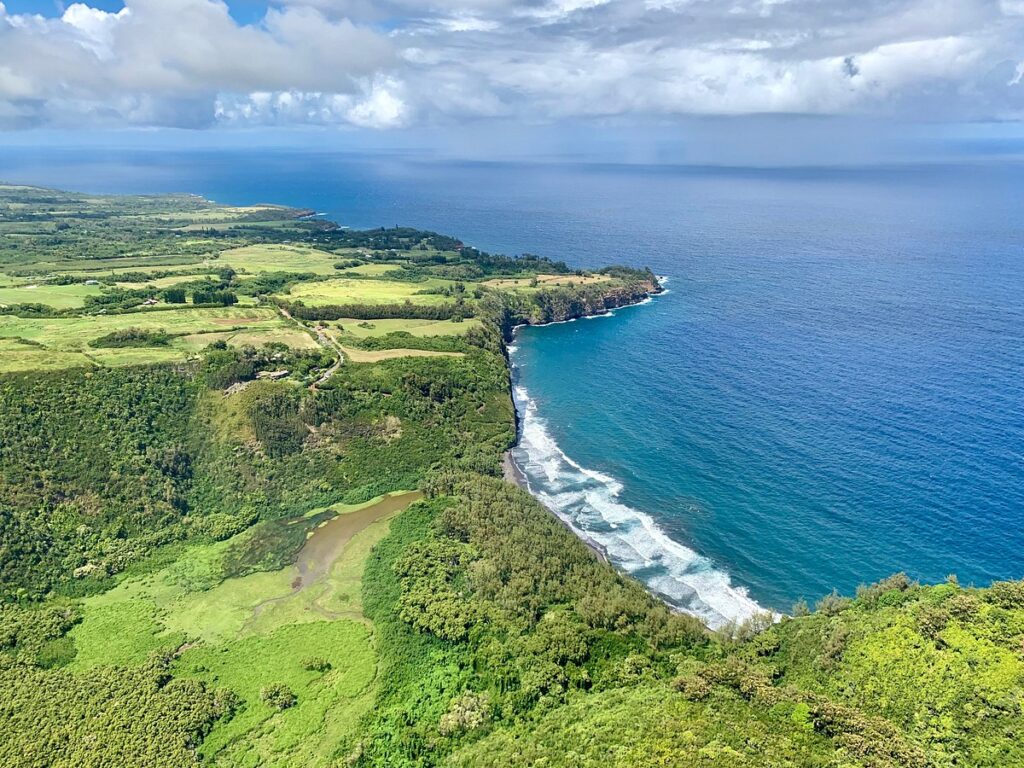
375	356
342	291
368	270
99	271
56	296
66	339
250	632
190	598
101	267
279	258
27	227
286	334
167	282
365	328
231	214
328	706
16	356
545	281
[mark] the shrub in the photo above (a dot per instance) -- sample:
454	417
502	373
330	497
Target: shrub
316	664
1006	594
133	337
932	619
872	594
833	647
832	604
278	695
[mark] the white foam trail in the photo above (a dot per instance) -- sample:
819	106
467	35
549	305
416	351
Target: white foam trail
588	501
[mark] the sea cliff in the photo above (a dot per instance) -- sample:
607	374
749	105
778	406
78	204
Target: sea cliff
571	302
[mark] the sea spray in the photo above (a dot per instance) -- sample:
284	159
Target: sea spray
588	501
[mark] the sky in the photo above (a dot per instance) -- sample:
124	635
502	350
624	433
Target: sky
509	73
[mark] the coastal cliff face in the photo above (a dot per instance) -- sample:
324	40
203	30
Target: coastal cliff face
562	304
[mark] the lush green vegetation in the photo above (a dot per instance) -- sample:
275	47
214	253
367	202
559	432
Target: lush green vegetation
199	565
133	337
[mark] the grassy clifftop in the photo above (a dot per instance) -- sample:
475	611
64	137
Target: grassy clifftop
189	392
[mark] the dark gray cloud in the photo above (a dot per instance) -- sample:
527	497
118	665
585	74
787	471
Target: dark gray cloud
398	62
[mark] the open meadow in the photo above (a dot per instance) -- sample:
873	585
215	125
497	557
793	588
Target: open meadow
56	296
347	291
52	342
364	329
279	258
299	626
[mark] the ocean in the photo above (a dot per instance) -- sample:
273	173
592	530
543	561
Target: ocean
830	391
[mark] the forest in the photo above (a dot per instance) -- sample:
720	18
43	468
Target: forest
273	530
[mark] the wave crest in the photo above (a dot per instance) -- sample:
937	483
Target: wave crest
588	501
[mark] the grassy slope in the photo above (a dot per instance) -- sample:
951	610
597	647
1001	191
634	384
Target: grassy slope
57	296
372	328
279	258
238	644
368	291
69	337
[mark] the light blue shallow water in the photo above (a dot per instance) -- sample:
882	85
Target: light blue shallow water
832	390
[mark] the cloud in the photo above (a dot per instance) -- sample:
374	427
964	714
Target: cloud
117	67
379	104
386	63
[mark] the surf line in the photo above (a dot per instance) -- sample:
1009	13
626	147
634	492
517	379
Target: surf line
588	502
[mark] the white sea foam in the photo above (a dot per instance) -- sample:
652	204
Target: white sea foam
588	501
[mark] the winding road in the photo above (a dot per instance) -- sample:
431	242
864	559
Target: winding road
325	340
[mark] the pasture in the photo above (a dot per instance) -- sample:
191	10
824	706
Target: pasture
368	270
252	259
56	296
63	342
96	268
545	281
366	328
376	355
343	291
166	282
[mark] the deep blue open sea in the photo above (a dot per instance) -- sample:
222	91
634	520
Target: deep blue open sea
832	389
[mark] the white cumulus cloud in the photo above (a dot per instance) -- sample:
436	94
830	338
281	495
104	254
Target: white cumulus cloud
385	63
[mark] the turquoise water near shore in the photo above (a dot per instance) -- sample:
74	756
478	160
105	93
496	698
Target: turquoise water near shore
831	390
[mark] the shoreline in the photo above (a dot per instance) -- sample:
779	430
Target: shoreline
508	343
510	469
687	581
515	476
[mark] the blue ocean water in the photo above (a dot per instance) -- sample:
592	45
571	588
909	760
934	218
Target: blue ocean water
832	389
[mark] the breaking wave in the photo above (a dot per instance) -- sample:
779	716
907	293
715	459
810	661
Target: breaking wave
588	501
